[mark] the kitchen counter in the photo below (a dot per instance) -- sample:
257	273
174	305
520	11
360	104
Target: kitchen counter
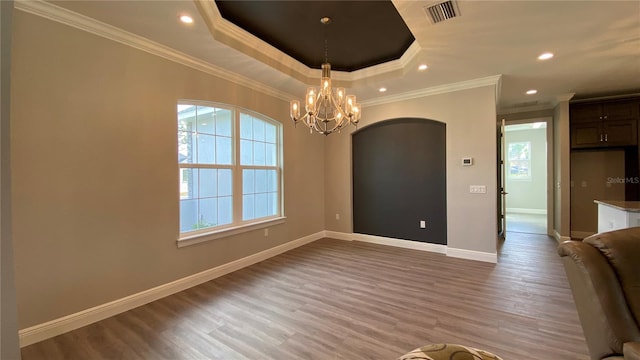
614	215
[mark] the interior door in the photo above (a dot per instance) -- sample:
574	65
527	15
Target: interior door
502	193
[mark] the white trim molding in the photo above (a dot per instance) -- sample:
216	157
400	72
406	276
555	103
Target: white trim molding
407	244
559	238
435	90
74	321
338	235
472	255
235	230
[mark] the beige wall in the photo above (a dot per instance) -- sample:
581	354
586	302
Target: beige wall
95	209
561	161
470	117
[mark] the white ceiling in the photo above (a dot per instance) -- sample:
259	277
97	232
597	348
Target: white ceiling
596	46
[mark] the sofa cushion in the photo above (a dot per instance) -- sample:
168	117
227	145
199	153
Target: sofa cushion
622	250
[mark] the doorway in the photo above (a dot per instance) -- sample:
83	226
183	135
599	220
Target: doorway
525	179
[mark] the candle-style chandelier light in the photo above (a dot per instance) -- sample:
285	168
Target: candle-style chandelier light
326	110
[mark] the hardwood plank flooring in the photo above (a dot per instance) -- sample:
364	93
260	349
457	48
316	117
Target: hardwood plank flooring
334	299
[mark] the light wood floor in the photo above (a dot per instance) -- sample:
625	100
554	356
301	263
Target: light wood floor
334	299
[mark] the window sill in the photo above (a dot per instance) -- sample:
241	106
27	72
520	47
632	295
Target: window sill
235	230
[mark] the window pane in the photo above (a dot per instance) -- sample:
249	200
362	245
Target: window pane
208	183
258	153
272	180
246	127
247	207
206	149
208	213
223	150
258	130
204	122
261	181
261	205
186	147
188	214
247	181
223	122
188	183
246	152
270	156
270	133
273	203
224	182
225	210
186	118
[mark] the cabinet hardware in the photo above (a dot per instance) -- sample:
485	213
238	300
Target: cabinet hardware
601	138
605	137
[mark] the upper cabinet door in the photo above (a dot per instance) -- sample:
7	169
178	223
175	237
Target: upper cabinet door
620	110
585	112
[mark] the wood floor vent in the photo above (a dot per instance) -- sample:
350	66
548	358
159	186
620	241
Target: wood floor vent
442	11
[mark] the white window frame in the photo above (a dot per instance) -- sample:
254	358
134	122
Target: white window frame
237	225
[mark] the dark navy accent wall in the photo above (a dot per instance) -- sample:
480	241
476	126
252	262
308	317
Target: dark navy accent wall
399	178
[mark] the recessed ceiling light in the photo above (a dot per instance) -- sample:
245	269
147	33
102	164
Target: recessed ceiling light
186	19
545	56
532	91
382	89
422	67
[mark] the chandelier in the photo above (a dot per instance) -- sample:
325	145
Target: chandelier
327	110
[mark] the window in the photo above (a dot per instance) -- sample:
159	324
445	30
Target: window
519	159
227	181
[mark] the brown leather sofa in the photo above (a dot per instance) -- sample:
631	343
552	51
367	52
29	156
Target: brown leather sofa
604	274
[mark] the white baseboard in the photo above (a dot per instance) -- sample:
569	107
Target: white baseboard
472	255
338	235
67	323
526	211
407	244
581	234
559	238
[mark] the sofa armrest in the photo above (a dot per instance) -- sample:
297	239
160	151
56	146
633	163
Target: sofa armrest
632	351
605	316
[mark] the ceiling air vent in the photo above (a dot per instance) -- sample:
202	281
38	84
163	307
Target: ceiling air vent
442	11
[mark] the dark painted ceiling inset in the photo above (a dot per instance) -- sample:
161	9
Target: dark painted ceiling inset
361	33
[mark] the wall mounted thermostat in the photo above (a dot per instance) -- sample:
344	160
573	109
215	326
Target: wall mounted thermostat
467	161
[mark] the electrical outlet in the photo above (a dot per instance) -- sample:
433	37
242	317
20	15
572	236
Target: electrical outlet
337	216
266	232
423	224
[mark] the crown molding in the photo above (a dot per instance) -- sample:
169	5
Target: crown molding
523	109
389	66
58	14
441	89
563	97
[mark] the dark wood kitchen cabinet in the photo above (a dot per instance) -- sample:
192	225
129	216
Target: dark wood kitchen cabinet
604	124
